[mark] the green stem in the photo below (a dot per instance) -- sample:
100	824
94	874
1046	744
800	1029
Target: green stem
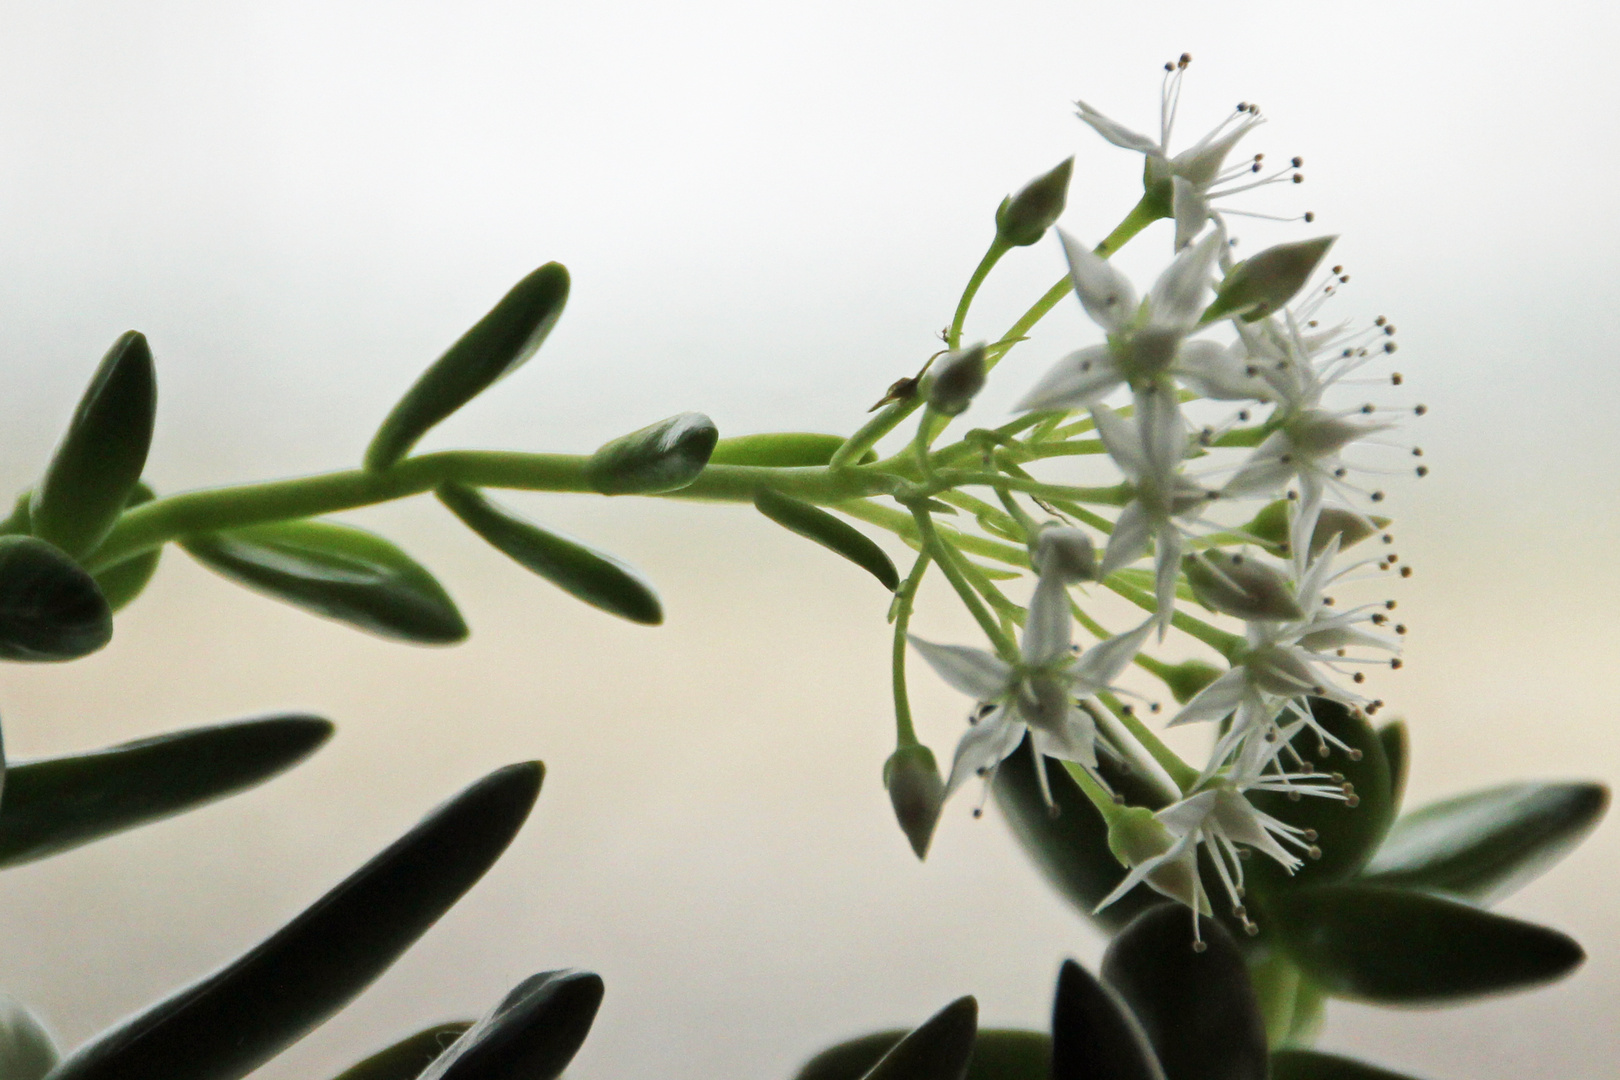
1184	775
1228	645
998	248
904	733
887	419
947	564
1104	802
902	525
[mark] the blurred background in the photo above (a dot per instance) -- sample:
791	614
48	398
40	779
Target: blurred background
768	211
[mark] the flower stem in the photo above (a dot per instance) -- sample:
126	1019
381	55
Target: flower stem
943	555
998	248
904	733
1228	645
1104	802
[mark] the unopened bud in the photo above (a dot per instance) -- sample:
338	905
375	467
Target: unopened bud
1270	526
1022	219
1265	282
958	377
916	792
1242	586
1066	552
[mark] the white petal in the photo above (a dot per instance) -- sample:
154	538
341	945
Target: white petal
1122	441
1079	379
1190	207
1201	162
1049	626
1116	133
1101	664
985	746
1180	295
981	675
1219	373
1188	815
1215	700
1104	292
1128	540
1270	467
1075	740
1161	431
1167	564
1243	824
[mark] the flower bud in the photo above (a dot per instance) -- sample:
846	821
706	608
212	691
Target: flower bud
958	377
1022	219
1270	527
1065	551
916	792
1241	585
1135	836
1262	284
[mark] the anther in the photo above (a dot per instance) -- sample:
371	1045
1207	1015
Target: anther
978	811
1251	929
1422	470
1298	178
1336	777
1389	605
1243	415
1313	852
1406	571
1387	538
1352	801
1419	410
1359	677
1396	379
1417	451
1380	321
1338	269
1310	216
1395	664
1354	754
1199	946
1293	796
1400	628
1379	619
1389	347
1054	811
1377	496
1153	707
1310	836
1368	409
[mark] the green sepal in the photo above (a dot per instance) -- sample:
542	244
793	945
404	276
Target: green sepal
497	345
830	532
1397	746
1094	1034
406	1059
1397	947
937	1049
1486	844
998	1054
27	1051
781	450
336	571
123	581
1312	1065
1198	1008
55	804
50	609
100	459
594	577
1186	679
532	1034
660	457
231	1022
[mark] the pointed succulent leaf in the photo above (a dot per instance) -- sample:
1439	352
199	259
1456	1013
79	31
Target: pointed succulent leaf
1486	844
26	1049
830	532
1198	1008
100	458
660	457
781	450
55	804
937	1049
1094	1034
594	577
231	1022
50	609
1312	1065
1397	947
406	1059
497	345
532	1034
998	1054
1398	752
123	581
337	571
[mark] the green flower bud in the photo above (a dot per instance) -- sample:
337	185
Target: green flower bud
1261	285
1022	219
957	377
1065	551
916	792
1241	585
1270	527
1185	679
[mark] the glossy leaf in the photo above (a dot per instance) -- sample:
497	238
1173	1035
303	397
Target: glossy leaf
1486	844
26	1049
100	459
781	450
231	1022
406	1059
594	577
497	345
1071	849
1311	1065
830	532
337	571
1398	752
665	456
55	804
1398	947
1198	1008
531	1035
50	609
937	1049
998	1054
123	581
1094	1035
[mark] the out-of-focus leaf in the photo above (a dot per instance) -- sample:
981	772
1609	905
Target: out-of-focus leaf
937	1049
231	1022
497	345
26	1049
1094	1035
50	609
1311	1065
781	450
406	1059
1071	849
594	577
1398	752
998	1054
665	456
54	804
531	1035
1398	947
99	460
123	581
338	571
830	532
1486	844
1197	1008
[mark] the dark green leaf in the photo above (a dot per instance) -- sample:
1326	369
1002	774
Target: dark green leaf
1398	752
55	804
26	1049
594	577
496	346
231	1022
830	532
1198	1008
1310	1065
938	1049
665	456
123	581
50	609
1071	849
531	1035
337	571
1398	947
781	450
406	1059
101	457
998	1054
1094	1035
1486	844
